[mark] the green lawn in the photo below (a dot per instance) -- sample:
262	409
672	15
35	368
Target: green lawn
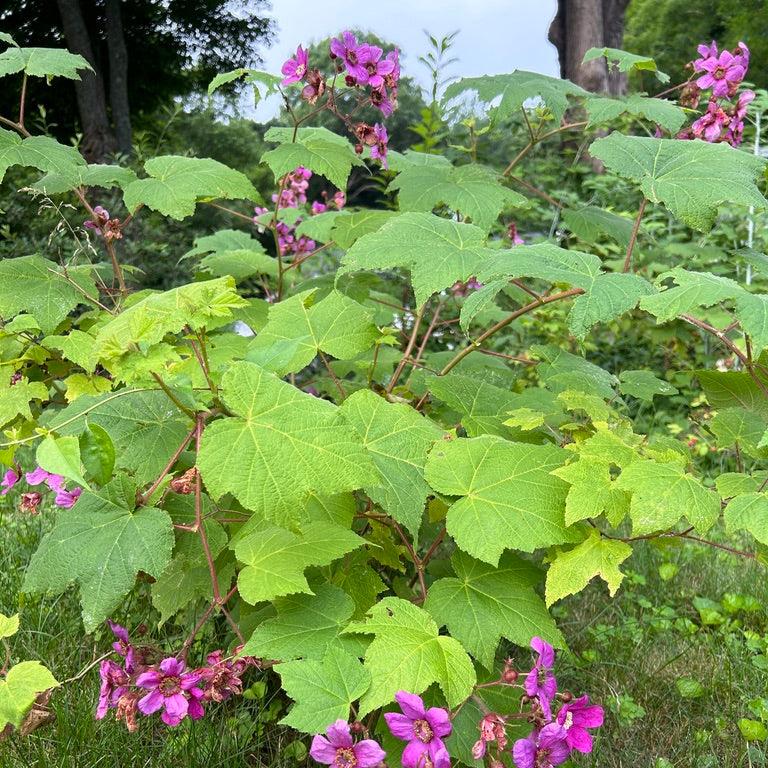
629	653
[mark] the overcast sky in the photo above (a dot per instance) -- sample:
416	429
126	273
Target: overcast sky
495	35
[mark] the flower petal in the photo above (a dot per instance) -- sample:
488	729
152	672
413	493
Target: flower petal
177	705
368	753
440	721
149	679
150	703
413	754
411	704
524	753
172	666
322	751
400	726
339	734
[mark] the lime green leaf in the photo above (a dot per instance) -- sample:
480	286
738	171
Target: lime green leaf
592	491
319	226
732	389
739	425
36	285
689	688
398	439
589	222
692	178
753	730
571	571
19	690
514	89
275	559
61	456
15	400
644	385
9	625
197	305
68	178
560	370
471	190
97	452
748	512
144	425
408	654
625	61
511	500
41	152
322	689
306	626
350	227
42	62
662	494
691	290
264	84
176	183
232	252
336	325
483	604
281	446
76	346
101	543
318	149
667	114
438	252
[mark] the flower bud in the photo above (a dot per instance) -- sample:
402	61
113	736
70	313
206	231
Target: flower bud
509	675
566	696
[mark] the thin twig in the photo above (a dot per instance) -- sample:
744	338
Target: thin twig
633	236
408	350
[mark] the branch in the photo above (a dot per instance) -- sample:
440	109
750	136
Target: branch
407	353
633	236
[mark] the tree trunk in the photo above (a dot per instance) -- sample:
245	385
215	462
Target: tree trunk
118	76
98	139
583	24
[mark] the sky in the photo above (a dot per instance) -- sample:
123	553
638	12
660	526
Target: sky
496	36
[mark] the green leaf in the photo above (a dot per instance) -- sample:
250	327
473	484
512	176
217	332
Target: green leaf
101	543
398	439
318	149
483	604
689	688
571	571
753	730
9	625
232	252
198	305
666	113
176	183
408	654
97	452
662	494
510	499
644	385
336	325
144	425
36	285
275	559
589	222
319	226
19	690
438	252
739	425
322	689
39	152
61	456
592	491
692	178
691	291
732	389
350	227
264	84
306	626
560	371
625	61
472	190
281	446
514	89
15	400
76	346
748	512
42	62
73	176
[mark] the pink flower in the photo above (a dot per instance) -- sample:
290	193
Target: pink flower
514	235
66	499
122	645
39	476
711	124
736	128
423	729
575	717
380	99
542	749
339	751
379	149
114	683
377	68
723	73
705	52
296	67
540	682
352	54
172	690
10	478
97	223
318	207
339	199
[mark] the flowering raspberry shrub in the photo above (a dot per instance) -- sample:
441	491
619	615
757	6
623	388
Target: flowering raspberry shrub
347	442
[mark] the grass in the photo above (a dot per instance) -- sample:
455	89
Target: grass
627	653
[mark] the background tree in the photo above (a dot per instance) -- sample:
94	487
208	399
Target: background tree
171	49
583	24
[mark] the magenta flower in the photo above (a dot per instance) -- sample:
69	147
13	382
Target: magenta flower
353	55
296	67
514	235
379	149
339	199
576	717
705	52
114	683
97	224
318	207
423	729
711	124
39	476
540	682
722	73
171	689
377	68
542	749
380	99
66	499
736	128
339	751
10	478
122	645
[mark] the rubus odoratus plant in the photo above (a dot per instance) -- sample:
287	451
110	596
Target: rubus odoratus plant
334	421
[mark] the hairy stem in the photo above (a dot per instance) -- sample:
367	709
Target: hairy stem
633	236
